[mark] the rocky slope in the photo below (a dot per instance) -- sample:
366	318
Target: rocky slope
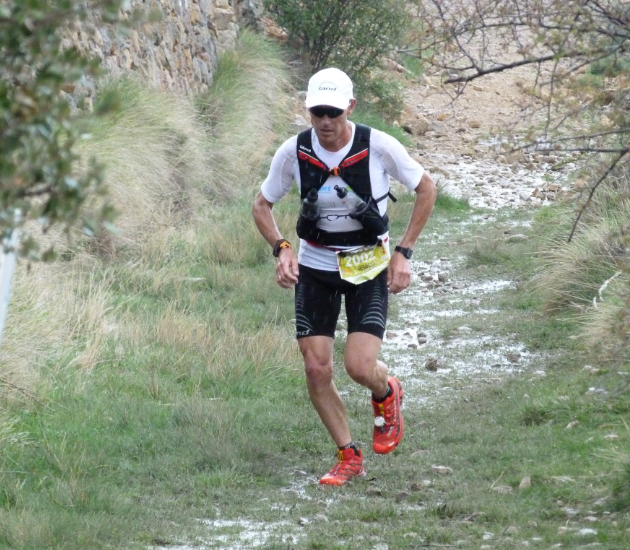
459	139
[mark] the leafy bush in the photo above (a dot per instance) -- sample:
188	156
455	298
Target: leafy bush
351	35
384	93
38	130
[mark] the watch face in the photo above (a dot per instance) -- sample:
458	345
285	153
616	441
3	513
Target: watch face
406	252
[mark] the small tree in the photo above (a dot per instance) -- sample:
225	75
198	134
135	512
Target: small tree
39	176
580	101
348	34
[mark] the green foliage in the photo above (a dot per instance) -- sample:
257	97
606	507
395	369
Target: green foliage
413	63
447	203
384	93
611	66
352	35
39	175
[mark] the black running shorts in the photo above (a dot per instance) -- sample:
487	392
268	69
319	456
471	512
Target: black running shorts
318	303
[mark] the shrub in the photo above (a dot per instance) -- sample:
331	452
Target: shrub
351	35
38	130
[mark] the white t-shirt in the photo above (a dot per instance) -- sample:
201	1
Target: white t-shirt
387	158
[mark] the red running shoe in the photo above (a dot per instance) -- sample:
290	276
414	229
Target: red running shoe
349	465
388	421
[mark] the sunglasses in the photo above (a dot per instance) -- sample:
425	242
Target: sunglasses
330	112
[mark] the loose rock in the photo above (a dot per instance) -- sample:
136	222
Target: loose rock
442	470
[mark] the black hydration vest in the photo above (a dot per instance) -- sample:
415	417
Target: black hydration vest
354	170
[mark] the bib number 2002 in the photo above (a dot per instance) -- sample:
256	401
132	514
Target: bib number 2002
363	263
358	259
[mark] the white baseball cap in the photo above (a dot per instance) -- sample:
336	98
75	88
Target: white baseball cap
329	87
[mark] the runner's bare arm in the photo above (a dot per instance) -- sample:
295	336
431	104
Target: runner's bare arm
399	271
287	267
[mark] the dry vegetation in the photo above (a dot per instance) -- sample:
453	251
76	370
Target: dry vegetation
172	165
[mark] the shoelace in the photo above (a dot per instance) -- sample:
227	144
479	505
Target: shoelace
388	417
347	472
390	413
337	467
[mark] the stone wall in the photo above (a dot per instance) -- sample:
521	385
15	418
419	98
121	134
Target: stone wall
178	52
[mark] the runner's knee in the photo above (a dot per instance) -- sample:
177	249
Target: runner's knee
361	369
317	372
318	359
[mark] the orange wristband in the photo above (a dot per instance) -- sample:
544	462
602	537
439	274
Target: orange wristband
280	244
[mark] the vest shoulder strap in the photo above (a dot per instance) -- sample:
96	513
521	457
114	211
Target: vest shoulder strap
362	134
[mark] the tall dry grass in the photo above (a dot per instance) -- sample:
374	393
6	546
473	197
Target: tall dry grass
171	159
175	167
156	155
591	273
59	317
571	273
245	108
606	323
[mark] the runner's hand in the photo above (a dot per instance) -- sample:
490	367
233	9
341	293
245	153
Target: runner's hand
398	273
287	270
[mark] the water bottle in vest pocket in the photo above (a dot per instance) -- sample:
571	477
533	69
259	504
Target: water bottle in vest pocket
309	216
367	213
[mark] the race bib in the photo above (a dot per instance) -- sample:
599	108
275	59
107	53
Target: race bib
358	265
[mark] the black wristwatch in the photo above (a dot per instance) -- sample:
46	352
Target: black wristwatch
406	252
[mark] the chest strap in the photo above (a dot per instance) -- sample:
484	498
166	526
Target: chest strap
354	169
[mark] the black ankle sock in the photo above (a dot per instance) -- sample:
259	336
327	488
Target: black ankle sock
381	399
352	446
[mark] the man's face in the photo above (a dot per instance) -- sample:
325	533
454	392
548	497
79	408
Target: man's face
332	132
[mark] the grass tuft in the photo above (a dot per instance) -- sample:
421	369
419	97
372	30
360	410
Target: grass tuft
245	110
590	273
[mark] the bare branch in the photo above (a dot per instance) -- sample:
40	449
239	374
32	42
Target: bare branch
507	66
608	171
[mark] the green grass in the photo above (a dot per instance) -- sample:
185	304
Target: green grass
452	205
162	390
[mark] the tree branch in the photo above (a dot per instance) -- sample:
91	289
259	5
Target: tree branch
610	168
500	68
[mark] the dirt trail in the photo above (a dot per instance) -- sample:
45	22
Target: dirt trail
457	141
